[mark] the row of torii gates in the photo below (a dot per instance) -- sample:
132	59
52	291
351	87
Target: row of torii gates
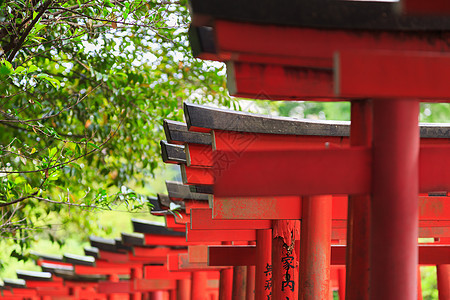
275	208
240	247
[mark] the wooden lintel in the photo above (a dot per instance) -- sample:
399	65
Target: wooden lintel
326	14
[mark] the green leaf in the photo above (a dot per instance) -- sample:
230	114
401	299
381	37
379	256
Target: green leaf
52	152
94	145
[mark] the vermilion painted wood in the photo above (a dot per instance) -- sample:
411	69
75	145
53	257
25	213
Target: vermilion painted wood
198	155
141	285
341	281
263	268
22	292
219	235
148	255
428	254
46	291
106	264
201	218
278	82
145	284
258	208
192	175
161	240
180	262
250	286
239	283
178	224
432	7
198	285
50	262
434	174
195	204
184	289
161	272
231	255
358	225
321	45
144	253
239	142
226	281
198	253
47	284
395	182
392	74
285	262
341	171
443	281
315	247
243	141
268	208
87	270
108	287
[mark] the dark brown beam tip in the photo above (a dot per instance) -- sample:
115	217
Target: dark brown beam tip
177	133
438	194
34	276
179	190
14	283
155	203
435	130
150	227
172	154
52	268
48	257
103	244
165	201
120	246
323	14
91	251
202	188
202	40
224	119
133	239
71	276
79	259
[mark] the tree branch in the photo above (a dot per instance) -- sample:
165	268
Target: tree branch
19	44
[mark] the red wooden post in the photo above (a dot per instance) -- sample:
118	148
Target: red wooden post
183	289
285	262
443	281
226	281
251	272
136	273
199	285
315	248
357	272
226	284
239	282
263	276
341	279
443	276
250	293
394	206
173	295
113	278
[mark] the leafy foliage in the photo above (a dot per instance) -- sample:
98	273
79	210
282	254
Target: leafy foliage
84	87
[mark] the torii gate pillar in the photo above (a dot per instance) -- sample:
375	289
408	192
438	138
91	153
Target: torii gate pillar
394	206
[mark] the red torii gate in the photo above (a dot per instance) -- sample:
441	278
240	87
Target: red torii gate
233	140
391	170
